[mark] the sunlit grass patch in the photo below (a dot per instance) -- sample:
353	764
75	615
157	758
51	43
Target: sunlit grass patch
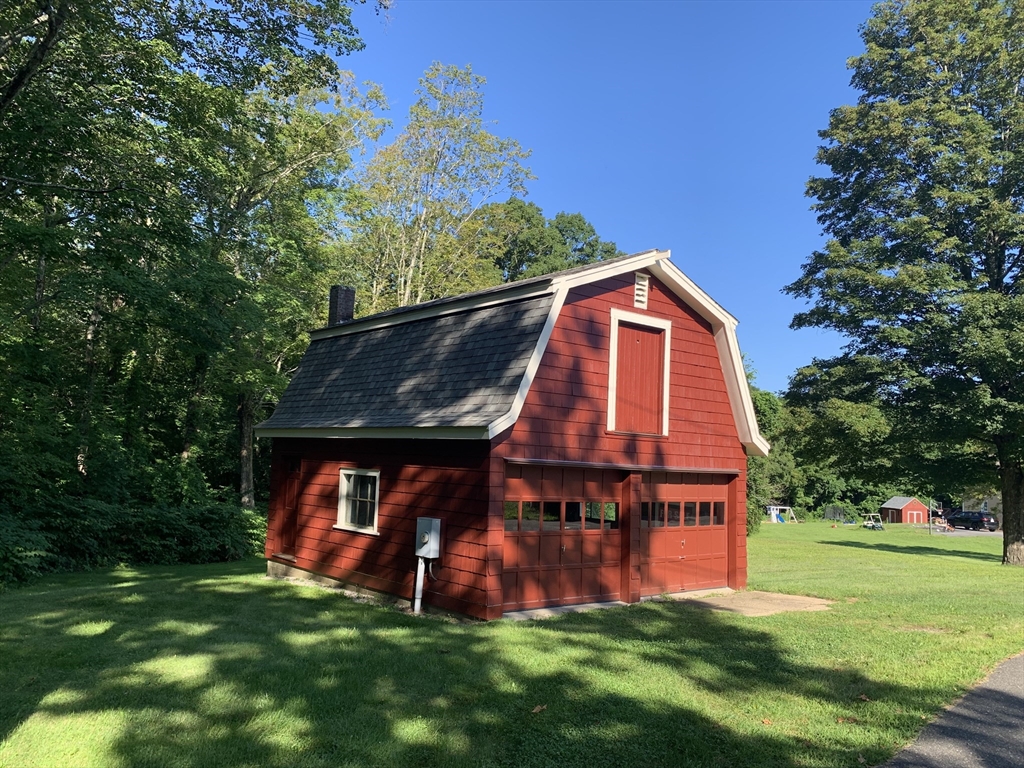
214	665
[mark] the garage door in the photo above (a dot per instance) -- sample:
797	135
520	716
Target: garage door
562	536
683	538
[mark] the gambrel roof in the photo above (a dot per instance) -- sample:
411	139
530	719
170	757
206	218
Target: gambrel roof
461	367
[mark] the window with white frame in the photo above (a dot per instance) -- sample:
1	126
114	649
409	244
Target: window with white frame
357	500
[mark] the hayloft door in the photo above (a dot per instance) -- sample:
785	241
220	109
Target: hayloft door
639	393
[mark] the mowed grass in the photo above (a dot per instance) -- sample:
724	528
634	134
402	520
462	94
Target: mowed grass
217	666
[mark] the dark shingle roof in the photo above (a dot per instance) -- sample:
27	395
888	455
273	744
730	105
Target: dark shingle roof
898	502
455	370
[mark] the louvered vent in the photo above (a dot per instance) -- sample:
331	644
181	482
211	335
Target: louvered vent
640	288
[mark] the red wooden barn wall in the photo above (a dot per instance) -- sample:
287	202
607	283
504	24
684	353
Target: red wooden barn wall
418	478
901	516
565	414
564	418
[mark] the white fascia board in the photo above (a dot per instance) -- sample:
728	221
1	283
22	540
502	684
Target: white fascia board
598	271
502	423
562	286
723	325
691	293
394	433
739	392
493	297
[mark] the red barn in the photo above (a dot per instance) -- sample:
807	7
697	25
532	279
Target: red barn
582	436
904	509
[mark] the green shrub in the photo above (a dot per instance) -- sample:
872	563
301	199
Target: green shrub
754	517
79	534
23	552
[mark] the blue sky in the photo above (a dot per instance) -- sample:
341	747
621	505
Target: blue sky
688	126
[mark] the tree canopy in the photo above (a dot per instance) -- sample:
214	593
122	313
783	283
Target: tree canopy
180	184
924	208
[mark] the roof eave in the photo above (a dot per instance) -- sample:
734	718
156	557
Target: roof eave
723	325
390	433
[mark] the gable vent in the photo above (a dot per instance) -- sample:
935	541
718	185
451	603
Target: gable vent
640	288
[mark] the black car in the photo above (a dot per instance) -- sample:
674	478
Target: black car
973	520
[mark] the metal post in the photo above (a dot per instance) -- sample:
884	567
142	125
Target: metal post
418	594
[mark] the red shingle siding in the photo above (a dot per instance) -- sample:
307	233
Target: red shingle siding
445	479
565	415
564	419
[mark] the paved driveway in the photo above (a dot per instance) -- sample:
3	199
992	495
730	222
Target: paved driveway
985	729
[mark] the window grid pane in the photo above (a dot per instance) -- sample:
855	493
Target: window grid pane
552	515
511	515
531	516
657	514
573	515
673	514
690	513
705	513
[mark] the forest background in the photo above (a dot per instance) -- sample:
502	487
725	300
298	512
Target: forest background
180	184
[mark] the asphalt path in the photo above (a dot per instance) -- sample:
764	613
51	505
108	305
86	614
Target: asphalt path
985	729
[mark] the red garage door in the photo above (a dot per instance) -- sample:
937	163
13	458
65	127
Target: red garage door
562	536
683	539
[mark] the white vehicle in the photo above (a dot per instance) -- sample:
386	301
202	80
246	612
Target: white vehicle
873	521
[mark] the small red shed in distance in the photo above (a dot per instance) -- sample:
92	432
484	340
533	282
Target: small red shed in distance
582	436
904	509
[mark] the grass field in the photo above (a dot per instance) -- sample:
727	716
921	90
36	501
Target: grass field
217	666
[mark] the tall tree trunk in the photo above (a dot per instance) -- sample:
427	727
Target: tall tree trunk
1012	473
40	290
85	419
191	426
246	418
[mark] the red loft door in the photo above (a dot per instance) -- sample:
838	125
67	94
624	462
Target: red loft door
639	380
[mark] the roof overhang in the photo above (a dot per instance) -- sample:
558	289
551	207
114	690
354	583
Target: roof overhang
656	262
389	433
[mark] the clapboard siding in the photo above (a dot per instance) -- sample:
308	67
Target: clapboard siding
564	419
418	478
565	414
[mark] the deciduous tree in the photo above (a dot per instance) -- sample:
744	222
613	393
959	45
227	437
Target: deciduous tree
924	207
419	196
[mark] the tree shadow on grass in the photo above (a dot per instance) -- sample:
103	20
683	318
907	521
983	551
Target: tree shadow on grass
916	550
213	665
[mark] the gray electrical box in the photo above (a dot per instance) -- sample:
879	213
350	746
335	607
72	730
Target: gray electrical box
428	537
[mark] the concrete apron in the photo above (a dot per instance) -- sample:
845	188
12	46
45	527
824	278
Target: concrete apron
746	603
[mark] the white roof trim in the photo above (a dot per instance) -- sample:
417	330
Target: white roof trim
722	323
600	271
502	423
492	296
414	433
562	285
724	327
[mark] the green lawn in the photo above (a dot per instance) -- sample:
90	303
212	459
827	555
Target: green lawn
216	666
